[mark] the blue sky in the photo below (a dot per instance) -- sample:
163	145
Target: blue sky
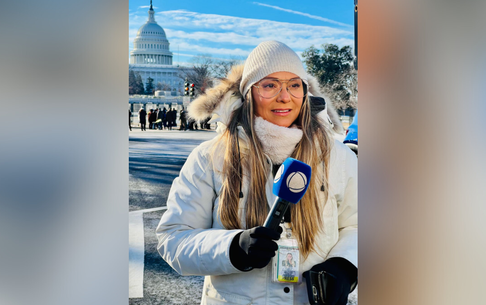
226	29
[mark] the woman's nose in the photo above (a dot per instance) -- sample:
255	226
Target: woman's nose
284	95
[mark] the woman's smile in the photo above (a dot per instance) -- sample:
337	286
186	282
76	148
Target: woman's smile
281	112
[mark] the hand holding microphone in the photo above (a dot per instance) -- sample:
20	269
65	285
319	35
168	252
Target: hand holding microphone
254	248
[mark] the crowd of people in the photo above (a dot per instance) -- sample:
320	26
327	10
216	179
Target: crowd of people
161	118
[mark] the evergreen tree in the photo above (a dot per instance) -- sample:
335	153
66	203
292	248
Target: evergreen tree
333	68
132	82
139	85
149	88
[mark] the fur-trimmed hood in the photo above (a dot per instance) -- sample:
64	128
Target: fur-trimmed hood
220	101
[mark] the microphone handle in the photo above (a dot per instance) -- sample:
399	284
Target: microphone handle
276	213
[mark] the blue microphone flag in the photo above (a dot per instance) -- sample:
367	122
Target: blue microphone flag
292	180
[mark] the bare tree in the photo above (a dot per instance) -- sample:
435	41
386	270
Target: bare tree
163	86
221	68
200	74
206	70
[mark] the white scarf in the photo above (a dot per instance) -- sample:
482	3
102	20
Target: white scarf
278	142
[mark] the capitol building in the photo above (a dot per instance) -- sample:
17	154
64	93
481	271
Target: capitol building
151	56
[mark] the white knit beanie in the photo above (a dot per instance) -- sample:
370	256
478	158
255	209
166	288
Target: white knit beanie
267	58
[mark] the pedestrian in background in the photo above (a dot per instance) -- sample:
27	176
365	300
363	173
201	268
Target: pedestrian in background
154	118
160	118
169	119
130	119
151	117
142	118
164	118
219	202
172	117
182	117
206	123
192	124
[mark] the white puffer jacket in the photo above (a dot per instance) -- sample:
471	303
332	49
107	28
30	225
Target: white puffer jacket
193	241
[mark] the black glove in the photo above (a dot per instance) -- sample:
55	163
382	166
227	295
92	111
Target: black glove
340	279
254	248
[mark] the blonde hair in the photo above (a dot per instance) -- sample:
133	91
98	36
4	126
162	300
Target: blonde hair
313	149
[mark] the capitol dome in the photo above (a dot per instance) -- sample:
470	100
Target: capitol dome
151	46
150	28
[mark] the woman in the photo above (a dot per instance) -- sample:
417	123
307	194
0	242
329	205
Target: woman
289	261
142	118
216	207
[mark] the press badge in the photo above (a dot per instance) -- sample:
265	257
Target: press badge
286	262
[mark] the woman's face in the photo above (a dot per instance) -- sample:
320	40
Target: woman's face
282	109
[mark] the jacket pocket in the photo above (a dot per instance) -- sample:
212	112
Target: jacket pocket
215	297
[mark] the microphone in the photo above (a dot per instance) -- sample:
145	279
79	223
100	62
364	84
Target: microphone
290	184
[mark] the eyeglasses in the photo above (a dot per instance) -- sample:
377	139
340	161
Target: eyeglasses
270	87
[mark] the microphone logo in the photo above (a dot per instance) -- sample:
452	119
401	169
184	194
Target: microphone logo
279	173
296	182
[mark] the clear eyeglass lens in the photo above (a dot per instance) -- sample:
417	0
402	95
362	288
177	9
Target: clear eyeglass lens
271	87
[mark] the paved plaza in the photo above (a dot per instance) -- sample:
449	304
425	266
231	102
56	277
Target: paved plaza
155	159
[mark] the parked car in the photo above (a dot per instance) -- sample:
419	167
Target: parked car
351	139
